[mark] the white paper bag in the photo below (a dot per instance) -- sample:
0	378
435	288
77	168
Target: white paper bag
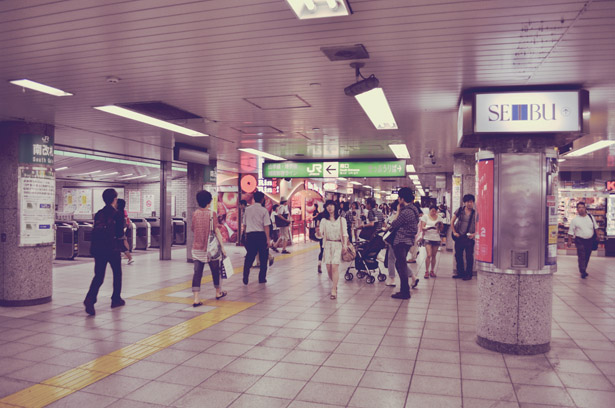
227	268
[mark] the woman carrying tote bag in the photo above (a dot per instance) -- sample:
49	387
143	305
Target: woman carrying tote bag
335	237
205	223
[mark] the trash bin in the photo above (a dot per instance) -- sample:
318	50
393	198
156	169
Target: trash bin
84	237
154	232
179	231
67	240
142	236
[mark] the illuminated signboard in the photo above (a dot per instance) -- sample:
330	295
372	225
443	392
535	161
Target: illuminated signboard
610	186
288	169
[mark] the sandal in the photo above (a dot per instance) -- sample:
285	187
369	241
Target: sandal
416	282
426	275
197	304
221	295
432	274
333	296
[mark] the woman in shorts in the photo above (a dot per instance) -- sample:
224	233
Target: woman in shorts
431	224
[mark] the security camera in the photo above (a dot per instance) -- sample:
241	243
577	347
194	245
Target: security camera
432	156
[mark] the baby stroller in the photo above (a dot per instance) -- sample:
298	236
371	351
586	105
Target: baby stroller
366	261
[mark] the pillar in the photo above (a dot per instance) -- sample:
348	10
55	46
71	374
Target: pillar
166	218
26	213
463	182
516	258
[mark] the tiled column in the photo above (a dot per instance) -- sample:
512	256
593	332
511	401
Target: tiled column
25	271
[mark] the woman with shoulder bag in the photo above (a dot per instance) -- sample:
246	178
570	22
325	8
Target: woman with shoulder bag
430	226
335	238
205	223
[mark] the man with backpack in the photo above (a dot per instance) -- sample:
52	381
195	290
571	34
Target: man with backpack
464	228
107	244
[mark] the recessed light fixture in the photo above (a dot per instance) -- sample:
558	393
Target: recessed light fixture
400	151
136	177
139	117
590	148
26	83
410	168
413	177
61	168
421	192
306	9
356	183
262	154
342	178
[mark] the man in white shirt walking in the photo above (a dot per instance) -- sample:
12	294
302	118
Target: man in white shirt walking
582	228
257	238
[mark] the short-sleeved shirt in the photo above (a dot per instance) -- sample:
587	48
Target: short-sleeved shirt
201	221
463	220
377	216
257	218
432	234
582	227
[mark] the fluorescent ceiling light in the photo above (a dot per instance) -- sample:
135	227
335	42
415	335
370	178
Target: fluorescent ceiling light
413	177
137	177
561	160
306	9
356	183
126	175
410	168
108	174
421	192
26	83
106	159
400	151
369	187
183	169
342	178
125	113
375	105
262	154
591	148
62	168
92	172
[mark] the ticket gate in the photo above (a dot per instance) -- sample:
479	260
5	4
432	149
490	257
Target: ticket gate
179	231
84	237
142	239
131	235
67	240
154	232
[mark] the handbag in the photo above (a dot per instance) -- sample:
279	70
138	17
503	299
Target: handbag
213	245
281	222
595	236
389	236
349	253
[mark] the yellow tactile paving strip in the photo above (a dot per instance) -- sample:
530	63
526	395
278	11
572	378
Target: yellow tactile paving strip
75	379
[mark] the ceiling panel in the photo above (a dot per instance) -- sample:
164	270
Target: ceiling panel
208	56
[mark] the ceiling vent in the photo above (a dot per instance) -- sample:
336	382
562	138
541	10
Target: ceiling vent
257	130
345	52
159	110
278	102
389	181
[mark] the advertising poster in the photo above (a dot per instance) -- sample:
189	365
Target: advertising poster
456	199
36	205
484	209
77	201
134	201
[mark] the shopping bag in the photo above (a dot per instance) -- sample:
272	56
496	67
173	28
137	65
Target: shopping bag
226	269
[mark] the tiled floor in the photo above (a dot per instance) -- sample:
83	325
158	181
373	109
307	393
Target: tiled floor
297	348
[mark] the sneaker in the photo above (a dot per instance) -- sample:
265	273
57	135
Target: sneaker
130	261
285	252
400	295
117	303
584	275
89	307
391	282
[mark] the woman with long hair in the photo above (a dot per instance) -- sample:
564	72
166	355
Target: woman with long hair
335	237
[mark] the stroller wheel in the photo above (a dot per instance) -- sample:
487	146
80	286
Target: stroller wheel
382	277
360	274
348	276
370	279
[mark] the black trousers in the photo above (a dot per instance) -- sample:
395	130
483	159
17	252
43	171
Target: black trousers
322	250
464	244
100	267
214	266
584	252
401	252
256	242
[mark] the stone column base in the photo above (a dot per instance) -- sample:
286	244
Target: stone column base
518	349
28	302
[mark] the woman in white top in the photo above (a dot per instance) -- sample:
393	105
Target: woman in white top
431	224
334	236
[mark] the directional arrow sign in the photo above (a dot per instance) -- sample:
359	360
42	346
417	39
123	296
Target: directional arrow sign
331	169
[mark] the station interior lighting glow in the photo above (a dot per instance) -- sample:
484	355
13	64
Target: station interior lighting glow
376	106
36	86
400	151
590	148
139	117
410	168
262	154
309	9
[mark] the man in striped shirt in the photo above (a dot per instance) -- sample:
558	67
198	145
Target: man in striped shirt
405	228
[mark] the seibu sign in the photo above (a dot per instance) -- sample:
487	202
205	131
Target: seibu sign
529	112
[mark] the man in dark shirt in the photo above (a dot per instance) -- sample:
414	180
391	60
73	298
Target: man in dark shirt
464	227
107	242
375	219
405	228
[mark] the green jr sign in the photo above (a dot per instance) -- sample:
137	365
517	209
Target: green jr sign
36	149
334	169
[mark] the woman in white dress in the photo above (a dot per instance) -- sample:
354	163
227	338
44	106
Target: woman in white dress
430	226
334	236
